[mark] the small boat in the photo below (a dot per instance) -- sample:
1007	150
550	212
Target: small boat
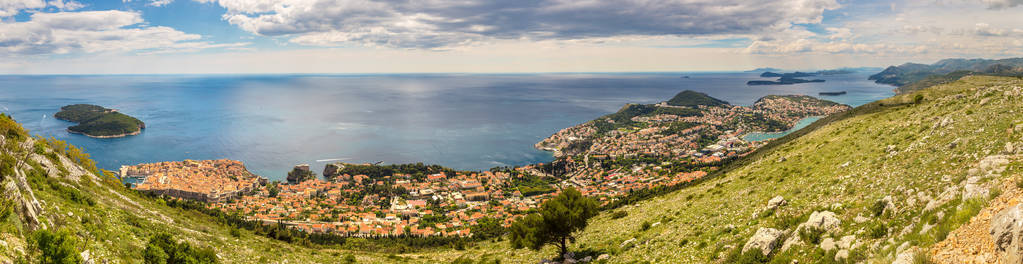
832	93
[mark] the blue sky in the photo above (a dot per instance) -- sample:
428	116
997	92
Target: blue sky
356	36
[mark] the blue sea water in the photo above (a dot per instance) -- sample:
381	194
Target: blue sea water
760	136
272	122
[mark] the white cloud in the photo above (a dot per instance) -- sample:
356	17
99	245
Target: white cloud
13	7
445	23
160	2
92	32
1002	4
69	5
917	29
10	8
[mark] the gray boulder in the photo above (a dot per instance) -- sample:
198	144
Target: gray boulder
974	188
889	205
1005	231
765	240
842	255
824	221
828	244
906	257
776	202
847	242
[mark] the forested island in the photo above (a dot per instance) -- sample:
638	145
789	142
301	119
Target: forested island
785	78
99	122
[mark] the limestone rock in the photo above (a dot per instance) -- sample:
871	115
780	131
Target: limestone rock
842	255
1006	232
906	257
828	244
824	221
791	241
927	227
948	195
86	258
765	240
776	202
975	188
627	242
846	242
889	205
903	247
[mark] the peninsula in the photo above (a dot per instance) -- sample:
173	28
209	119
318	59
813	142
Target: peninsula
99	122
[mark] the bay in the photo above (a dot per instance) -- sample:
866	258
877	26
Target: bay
272	122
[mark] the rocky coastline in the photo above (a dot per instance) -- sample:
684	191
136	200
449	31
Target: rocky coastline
110	136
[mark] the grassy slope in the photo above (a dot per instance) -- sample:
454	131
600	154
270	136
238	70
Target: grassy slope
811	177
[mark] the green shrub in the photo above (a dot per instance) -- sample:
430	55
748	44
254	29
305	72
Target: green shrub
749	257
878	230
921	257
811	235
163	249
57	247
348	259
995	192
619	214
878	208
644	226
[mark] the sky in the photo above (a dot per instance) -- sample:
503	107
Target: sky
495	36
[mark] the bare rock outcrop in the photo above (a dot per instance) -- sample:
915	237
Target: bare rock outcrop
824	220
1006	229
775	202
765	240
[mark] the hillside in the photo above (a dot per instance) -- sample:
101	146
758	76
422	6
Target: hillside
914	76
97	121
898	177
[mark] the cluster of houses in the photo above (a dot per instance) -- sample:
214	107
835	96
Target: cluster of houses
206	180
439	205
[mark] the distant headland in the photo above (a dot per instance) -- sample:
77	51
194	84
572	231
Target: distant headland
99	122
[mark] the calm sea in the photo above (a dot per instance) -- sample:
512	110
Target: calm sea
272	122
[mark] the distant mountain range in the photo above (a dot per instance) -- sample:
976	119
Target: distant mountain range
915	76
843	70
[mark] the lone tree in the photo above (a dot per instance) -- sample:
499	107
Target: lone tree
554	224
